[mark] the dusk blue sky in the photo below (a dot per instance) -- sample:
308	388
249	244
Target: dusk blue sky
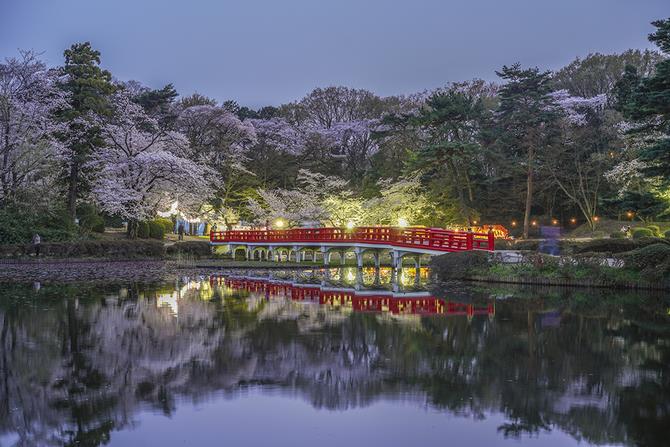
273	51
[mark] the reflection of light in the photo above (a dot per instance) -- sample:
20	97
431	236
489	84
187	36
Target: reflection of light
170	302
402	222
351	276
350	225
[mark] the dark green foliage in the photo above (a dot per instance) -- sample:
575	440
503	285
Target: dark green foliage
88	88
156	230
167	224
667	234
647	100
611	245
459	265
646	204
642	232
653	261
143	231
618	235
89	219
525	126
199	249
116	249
655	229
19	224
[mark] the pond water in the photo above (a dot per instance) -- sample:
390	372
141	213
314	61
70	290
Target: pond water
330	358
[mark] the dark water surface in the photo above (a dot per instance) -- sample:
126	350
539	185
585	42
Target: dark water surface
337	358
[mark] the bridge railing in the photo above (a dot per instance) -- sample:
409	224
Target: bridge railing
413	237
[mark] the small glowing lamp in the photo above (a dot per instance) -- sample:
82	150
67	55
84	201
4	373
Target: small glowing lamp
534	223
573	221
350	225
596	218
402	222
554	221
514	223
474	222
279	223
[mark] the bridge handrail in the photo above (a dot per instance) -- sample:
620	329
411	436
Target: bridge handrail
417	237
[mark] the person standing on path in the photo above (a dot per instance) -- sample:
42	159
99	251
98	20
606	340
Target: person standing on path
180	230
37	240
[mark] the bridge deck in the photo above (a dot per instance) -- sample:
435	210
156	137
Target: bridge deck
420	239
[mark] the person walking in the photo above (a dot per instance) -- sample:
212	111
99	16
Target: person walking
180	230
37	241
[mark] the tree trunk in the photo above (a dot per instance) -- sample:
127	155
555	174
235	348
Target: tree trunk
529	195
133	226
73	190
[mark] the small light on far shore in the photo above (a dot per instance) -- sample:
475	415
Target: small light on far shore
534	223
596	218
514	223
554	221
573	221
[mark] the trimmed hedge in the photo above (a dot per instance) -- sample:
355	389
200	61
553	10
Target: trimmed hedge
143	231
618	235
642	232
459	265
667	234
654	229
653	261
168	226
156	230
199	249
116	249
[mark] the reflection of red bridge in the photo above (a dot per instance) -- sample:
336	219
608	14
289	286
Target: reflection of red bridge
270	244
360	301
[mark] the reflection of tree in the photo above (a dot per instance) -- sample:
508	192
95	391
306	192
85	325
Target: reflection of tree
80	367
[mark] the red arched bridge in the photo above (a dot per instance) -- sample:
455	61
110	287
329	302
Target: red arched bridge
302	244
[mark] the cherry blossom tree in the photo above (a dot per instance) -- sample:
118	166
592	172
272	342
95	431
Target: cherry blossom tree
279	134
317	199
29	150
143	169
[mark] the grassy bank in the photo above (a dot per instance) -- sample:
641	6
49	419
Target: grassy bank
645	266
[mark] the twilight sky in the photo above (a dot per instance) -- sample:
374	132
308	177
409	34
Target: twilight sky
261	52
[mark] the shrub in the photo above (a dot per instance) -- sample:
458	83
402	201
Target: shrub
652	261
109	249
618	235
459	265
654	229
19	223
156	230
143	231
642	232
198	249
667	234
168	226
89	219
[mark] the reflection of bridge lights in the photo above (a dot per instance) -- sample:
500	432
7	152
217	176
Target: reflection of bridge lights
169	301
351	276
